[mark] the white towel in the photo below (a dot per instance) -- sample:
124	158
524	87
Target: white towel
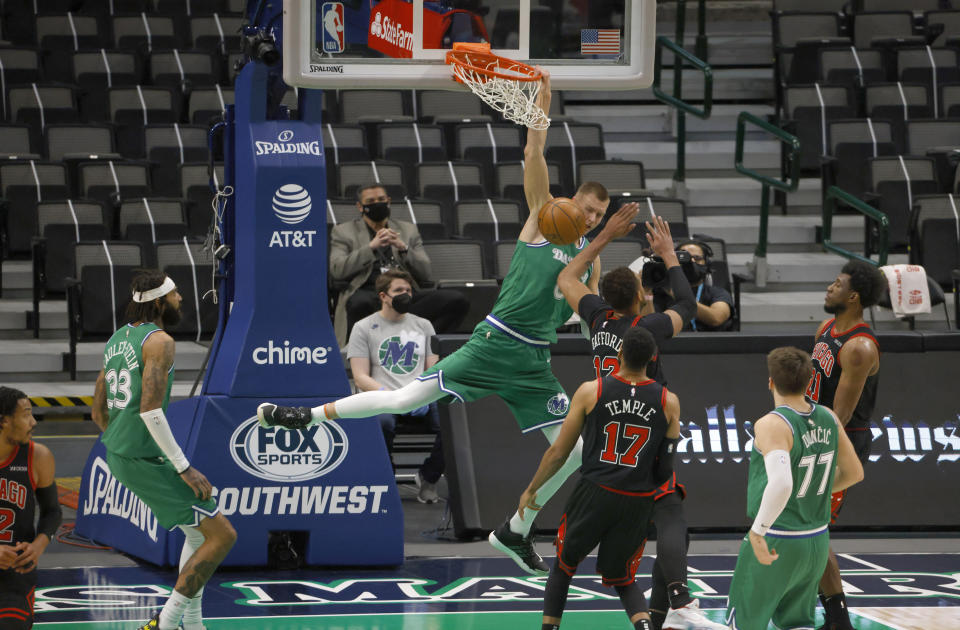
909	291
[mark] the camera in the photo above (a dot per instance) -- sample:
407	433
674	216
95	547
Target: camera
258	44
654	274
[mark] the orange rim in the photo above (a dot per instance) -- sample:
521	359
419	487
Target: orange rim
467	55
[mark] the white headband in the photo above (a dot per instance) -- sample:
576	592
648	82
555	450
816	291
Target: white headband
152	294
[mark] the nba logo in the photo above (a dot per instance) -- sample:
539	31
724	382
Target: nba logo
332	16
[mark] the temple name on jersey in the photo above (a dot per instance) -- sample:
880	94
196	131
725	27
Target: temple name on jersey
823	356
292	500
13	492
819	435
604	338
630	406
124	348
107	496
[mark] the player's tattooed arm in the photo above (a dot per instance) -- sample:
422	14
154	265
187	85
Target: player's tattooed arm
859	358
536	176
582	404
99	409
158	353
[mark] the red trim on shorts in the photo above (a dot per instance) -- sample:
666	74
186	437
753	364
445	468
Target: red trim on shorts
836	502
8	613
627	492
10	459
646	382
558	542
631	569
33	481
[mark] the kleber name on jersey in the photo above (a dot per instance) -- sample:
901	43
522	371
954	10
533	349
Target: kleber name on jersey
109	497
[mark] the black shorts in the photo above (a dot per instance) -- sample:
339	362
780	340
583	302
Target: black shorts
616	521
861	440
16	600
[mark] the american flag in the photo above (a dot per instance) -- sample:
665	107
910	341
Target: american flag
600	41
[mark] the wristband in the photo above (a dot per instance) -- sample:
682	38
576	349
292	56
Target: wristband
156	422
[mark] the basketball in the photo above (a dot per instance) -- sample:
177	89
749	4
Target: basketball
561	221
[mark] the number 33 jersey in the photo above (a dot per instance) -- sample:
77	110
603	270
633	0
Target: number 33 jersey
622	434
126	433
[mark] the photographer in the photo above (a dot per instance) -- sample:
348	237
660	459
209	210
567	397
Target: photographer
714	304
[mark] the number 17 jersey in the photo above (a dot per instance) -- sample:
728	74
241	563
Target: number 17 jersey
126	434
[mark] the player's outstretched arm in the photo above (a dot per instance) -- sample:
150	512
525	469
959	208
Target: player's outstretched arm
849	468
857	357
684	307
774	439
620	224
536	177
582	404
98	411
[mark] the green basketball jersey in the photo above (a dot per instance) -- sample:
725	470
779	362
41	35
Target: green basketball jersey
813	460
530	301
126	433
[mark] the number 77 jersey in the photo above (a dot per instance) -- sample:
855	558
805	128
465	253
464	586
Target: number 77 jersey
126	434
813	460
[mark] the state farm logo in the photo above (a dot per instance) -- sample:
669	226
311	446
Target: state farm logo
283	145
278	454
391	31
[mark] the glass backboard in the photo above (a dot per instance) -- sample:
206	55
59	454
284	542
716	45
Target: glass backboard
585	44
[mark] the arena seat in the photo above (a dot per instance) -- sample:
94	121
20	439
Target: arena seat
410	144
896	180
23	185
20	65
42	104
351	175
112	181
808	111
450	182
570	143
509	182
168	146
148	221
219	33
898	103
426	214
195	188
489	144
488	221
19	142
455	260
190	265
130	32
852	142
935	236
207	103
850	66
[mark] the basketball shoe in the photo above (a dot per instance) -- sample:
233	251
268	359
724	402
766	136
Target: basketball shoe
690	618
271	415
154	623
519	548
426	491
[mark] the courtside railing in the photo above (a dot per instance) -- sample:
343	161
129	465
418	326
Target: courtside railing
837	196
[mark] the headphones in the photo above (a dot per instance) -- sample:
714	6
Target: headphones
707	250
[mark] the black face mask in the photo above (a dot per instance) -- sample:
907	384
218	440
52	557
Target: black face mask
401	302
377	211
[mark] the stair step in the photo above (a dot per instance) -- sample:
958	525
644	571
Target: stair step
800	267
17	274
45	355
806	307
782	230
13	314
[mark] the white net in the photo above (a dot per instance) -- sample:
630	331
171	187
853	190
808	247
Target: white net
516	100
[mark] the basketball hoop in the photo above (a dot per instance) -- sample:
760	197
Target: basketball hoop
508	86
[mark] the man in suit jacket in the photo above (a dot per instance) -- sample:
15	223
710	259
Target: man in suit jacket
363	249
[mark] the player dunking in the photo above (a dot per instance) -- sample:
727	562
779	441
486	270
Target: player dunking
131	396
628	425
508	353
26	487
609	319
799	454
846	360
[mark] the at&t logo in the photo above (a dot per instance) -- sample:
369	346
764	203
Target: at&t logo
281	455
292	204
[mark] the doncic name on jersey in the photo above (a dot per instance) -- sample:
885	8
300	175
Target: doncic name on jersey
277	454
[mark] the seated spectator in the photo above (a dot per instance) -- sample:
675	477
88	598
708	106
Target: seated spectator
389	349
363	249
714	304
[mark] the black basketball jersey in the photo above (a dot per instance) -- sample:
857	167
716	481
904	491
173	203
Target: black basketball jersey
827	370
606	335
18	501
622	434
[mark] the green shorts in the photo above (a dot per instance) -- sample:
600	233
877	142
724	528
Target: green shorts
785	591
492	362
157	484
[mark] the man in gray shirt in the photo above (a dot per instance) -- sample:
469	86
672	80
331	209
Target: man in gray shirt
388	350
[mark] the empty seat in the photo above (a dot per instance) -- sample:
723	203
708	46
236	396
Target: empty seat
509	181
571	143
620	253
217	33
62	224
835	6
110	181
19	142
195	187
375	106
352	175
897	180
847	65
167	147
426	215
62	35
489	144
98	71
951	25
936	235
898	103
410	144
617	176
797	39
184	69
918	6
23	185
42	105
145	32
673	211
455	260
143	105
447	106
190	265
809	110
207	103
950	100
343	211
19	65
148	221
489	220
938	139
79	141
872	28
852	143
930	66
116	7
189	7
450	182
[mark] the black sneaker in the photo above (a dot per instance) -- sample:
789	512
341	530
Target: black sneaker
153	624
271	415
519	548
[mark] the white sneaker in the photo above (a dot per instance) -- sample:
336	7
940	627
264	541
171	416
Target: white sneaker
426	491
690	617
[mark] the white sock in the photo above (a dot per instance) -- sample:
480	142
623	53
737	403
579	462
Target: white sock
522	526
193	615
173	611
373	403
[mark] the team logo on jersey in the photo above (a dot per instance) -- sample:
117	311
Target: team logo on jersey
558	405
280	455
398	356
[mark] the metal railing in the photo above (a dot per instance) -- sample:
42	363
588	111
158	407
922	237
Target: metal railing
836	195
790	184
675	100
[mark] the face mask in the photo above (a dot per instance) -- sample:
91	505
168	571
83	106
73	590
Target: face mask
377	211
401	302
